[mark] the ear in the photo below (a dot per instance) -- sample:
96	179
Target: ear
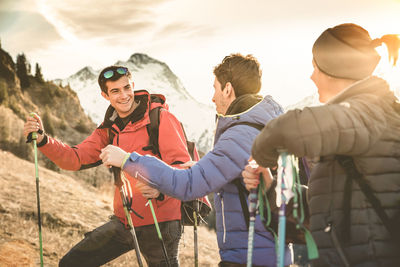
133	84
228	91
105	96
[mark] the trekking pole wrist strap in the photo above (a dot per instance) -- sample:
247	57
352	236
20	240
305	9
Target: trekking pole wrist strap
160	197
44	141
125	159
33	135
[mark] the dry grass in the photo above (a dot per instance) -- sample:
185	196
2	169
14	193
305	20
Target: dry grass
69	208
17	253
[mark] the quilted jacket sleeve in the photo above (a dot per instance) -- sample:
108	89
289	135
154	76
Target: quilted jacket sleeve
347	128
218	167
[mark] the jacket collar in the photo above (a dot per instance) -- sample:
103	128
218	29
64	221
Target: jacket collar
243	103
259	113
370	85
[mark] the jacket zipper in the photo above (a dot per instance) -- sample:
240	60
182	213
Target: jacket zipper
223	216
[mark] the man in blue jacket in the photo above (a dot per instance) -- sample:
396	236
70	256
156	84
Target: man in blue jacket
237	82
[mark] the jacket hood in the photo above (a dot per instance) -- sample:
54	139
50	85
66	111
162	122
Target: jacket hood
371	85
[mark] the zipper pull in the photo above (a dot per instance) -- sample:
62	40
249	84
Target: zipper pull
328	228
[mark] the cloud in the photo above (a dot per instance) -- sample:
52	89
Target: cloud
186	30
91	18
6	4
26	31
21	5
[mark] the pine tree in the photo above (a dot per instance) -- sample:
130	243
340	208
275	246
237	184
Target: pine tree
28	68
22	71
38	73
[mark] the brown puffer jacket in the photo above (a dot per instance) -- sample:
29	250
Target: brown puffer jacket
363	122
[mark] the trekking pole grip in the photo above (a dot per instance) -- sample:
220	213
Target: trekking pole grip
34	134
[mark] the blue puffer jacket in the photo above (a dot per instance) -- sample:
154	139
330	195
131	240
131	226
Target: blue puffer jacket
214	173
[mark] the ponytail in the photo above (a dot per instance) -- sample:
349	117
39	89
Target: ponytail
392	42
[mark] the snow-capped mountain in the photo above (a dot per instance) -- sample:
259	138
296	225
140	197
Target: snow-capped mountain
313	100
155	77
308	101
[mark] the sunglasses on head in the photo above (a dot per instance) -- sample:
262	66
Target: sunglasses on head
110	73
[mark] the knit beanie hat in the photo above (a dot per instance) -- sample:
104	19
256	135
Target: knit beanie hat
346	51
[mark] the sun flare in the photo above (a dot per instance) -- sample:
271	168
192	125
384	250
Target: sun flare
386	70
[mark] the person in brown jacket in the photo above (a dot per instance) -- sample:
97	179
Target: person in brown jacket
360	120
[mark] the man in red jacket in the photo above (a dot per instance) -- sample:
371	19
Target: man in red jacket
126	117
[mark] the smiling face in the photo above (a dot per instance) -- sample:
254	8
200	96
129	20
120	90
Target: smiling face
121	96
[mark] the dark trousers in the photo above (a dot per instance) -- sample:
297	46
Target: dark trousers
112	239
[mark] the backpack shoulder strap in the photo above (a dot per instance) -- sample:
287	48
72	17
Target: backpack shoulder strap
153	131
353	174
111	134
258	126
243	194
242	191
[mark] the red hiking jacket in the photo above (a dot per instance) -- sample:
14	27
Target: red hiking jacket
132	137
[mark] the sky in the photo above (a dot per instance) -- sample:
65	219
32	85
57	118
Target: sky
191	37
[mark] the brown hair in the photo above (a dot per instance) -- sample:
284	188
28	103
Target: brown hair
243	72
102	80
392	42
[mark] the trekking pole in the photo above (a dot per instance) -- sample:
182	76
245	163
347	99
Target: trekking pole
196	250
119	184
34	138
252	216
158	231
283	195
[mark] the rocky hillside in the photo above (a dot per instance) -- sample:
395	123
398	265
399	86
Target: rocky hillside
69	208
58	106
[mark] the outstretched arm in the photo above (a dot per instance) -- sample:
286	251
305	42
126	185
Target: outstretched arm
78	157
218	167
